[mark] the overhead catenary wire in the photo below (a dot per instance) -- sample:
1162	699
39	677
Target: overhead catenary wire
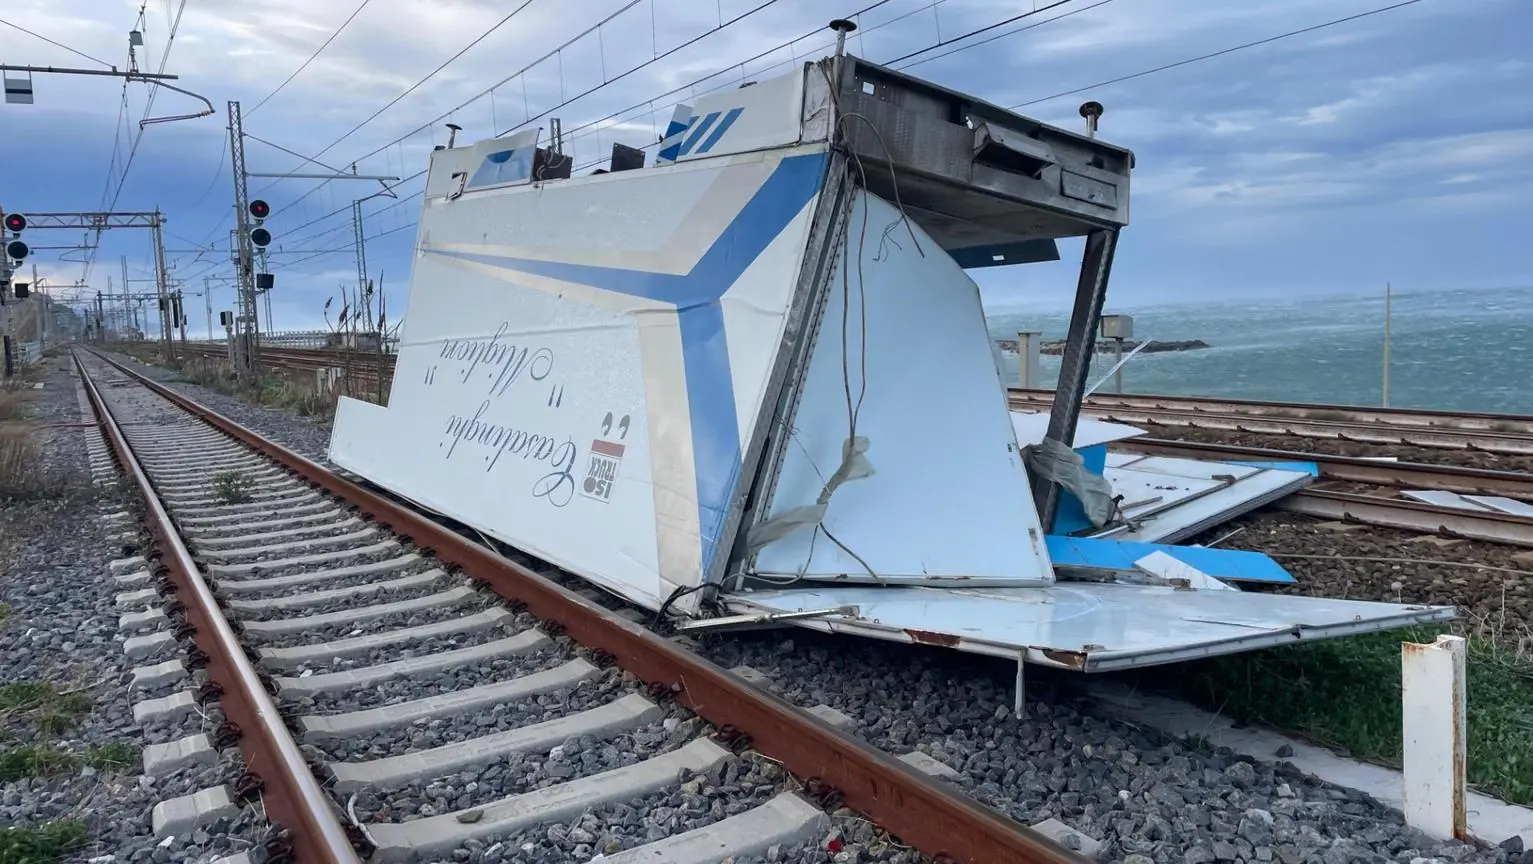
57	44
489	91
1213	54
571	134
317	51
418	84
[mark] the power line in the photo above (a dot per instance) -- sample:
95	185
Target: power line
1214	54
941	42
997	36
57	44
316	53
481	95
413	87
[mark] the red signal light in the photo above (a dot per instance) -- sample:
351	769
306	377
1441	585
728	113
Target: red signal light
260	209
15	222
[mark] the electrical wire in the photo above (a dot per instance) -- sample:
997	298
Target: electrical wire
556	51
942	42
317	51
997	36
657	58
418	84
1211	55
57	44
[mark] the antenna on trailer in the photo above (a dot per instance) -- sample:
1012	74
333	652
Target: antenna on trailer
1092	111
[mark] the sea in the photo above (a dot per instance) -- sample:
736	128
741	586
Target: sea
1451	350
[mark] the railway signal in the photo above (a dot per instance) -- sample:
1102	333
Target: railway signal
15	248
260	237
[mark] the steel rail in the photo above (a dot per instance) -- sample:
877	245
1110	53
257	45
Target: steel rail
1411	515
1384	416
1477	440
898	798
1356	469
293	796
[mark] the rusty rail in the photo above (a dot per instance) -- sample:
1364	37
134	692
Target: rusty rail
292	795
1355	469
940	822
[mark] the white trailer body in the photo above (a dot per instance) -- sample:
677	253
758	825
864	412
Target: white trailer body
758	362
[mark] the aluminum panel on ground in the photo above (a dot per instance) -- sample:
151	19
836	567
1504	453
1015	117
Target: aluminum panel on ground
1087	627
585	361
904	335
1170	499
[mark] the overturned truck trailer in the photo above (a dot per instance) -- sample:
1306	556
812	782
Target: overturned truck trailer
754	377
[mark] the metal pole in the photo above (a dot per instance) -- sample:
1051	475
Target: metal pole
1027	358
356	228
207	299
1117	375
167	313
1386	343
247	343
1075	365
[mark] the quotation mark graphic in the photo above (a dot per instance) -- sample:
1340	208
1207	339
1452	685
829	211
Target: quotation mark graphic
556	396
622	425
431	374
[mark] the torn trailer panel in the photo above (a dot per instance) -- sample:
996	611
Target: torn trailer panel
1161	499
1086	627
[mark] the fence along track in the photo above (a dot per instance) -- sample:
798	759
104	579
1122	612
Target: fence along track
339	609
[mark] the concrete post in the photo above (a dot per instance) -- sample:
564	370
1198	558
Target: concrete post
1028	344
1432	694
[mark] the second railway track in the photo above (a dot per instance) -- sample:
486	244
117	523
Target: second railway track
444	722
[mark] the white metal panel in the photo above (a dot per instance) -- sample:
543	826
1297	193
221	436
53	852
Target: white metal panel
765	114
1089	627
494	424
1194	495
1032	427
949	499
1478	503
1502	504
577	331
1202	469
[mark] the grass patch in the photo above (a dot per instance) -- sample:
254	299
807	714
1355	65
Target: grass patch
36	760
1505	426
53	711
41	845
21	470
1345	693
5	612
112	757
231	487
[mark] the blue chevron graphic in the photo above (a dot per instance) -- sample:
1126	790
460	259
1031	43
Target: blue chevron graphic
705	346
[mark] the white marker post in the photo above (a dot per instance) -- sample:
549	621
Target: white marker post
1432	696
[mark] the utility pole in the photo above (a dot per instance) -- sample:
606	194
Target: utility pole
167	324
247	329
1387	299
207	299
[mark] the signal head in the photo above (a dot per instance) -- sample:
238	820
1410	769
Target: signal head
260	209
260	237
16	249
15	222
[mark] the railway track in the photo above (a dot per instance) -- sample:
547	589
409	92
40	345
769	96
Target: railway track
1373	508
1363	418
405	694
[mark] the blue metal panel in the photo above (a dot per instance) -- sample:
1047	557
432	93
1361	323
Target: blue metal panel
1309	468
1230	565
696	294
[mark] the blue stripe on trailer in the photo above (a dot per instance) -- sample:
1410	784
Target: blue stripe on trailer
1230	565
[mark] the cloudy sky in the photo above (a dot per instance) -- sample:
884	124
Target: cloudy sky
1391	148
